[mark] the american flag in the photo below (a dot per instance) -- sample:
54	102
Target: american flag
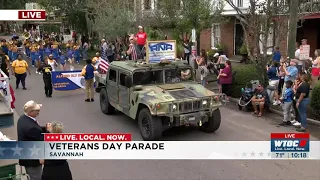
103	66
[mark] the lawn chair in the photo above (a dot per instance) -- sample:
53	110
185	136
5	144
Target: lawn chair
9	172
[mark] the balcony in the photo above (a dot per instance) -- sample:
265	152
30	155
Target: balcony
309	6
243	5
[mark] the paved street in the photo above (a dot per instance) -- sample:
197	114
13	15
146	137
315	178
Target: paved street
78	116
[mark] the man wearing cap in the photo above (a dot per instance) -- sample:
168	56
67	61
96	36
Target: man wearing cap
104	47
28	129
141	38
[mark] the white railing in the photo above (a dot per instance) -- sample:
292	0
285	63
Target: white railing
5	95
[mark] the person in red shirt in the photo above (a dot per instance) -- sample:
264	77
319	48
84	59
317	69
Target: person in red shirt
141	38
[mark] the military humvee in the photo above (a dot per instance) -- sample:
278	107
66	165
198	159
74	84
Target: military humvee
159	96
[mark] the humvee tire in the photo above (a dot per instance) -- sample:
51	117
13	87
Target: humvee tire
105	105
150	126
213	122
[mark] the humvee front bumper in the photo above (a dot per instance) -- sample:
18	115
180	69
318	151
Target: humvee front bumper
195	118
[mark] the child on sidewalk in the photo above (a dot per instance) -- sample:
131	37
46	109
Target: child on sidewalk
287	100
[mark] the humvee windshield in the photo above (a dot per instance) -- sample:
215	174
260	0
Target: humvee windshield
156	76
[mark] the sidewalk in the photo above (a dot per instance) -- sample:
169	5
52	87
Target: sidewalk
280	113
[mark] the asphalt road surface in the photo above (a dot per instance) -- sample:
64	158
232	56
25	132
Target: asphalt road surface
79	116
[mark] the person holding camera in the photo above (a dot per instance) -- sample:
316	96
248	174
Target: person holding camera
291	73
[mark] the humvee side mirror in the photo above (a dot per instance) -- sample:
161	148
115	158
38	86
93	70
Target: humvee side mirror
128	81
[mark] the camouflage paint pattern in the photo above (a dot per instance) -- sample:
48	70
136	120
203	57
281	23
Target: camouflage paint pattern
158	98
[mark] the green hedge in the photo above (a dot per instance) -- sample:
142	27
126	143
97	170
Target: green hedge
315	98
242	75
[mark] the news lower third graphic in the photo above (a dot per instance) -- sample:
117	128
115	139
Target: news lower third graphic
21	150
290	145
120	147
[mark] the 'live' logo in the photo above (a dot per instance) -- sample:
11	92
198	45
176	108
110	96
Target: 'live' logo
32	15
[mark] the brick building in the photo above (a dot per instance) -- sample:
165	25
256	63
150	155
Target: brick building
230	34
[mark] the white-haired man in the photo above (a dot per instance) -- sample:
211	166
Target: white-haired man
104	47
28	129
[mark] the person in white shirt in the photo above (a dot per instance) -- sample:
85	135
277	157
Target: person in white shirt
187	50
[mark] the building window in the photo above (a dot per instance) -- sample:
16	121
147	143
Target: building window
147	4
239	3
34	6
269	42
215	35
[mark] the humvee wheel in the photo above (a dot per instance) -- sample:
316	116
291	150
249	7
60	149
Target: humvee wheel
213	122
150	126
105	105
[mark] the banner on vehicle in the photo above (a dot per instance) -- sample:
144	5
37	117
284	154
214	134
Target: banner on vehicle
67	80
157	51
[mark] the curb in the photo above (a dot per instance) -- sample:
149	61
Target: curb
279	113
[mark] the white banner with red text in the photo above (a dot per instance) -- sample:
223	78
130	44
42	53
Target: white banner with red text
22	15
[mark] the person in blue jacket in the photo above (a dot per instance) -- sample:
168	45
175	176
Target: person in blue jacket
10	46
55	50
41	52
63	60
47	50
33	51
4	46
77	54
14	51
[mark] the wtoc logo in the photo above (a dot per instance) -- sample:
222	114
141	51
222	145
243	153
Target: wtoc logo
290	142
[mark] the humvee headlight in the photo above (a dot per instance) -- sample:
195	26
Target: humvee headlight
174	107
204	102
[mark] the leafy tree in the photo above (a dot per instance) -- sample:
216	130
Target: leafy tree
73	11
111	18
184	15
9	4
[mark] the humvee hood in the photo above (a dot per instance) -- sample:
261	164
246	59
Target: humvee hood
172	92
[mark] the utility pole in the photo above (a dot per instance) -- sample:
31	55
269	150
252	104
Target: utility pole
292	27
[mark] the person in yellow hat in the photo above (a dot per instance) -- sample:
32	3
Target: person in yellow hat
96	58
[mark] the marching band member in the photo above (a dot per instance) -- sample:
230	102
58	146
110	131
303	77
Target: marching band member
14	51
33	50
63	61
37	57
70	55
10	50
4	46
47	50
41	51
77	53
52	62
55	50
46	69
27	44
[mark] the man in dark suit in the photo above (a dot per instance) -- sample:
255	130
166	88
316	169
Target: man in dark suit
29	130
